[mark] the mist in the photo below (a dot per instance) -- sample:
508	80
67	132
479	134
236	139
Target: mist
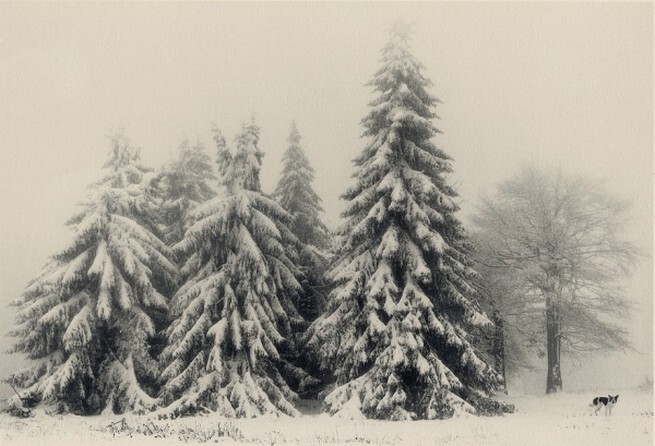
557	84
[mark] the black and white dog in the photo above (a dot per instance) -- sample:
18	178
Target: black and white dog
605	401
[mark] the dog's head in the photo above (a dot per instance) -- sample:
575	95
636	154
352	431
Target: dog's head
612	399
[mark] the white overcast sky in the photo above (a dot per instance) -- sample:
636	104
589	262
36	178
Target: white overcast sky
558	84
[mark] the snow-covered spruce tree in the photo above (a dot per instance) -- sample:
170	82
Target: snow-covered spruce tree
87	318
397	331
182	186
294	192
233	315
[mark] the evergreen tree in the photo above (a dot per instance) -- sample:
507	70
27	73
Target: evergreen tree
397	330
296	195
182	186
234	314
87	319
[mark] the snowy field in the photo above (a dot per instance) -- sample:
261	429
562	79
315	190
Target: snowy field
560	420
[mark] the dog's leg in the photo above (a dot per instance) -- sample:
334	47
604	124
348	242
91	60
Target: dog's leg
597	408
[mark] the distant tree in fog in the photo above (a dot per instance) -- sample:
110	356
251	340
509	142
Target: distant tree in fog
559	242
182	185
296	195
515	333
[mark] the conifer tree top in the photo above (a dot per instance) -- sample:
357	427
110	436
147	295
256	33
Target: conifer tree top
123	163
294	135
242	168
296	194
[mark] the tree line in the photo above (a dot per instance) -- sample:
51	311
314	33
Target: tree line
189	289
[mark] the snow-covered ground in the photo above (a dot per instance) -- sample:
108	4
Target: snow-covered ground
560	420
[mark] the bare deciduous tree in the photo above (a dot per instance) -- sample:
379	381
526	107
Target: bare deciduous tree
500	292
561	241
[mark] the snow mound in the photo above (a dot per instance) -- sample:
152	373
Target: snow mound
350	410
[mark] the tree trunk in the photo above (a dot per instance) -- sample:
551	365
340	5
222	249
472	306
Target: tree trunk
553	343
499	348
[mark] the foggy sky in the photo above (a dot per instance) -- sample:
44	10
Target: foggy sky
557	84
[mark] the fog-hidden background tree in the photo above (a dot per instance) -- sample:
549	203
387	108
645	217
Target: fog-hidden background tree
295	193
514	338
234	315
182	185
87	318
397	333
561	242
